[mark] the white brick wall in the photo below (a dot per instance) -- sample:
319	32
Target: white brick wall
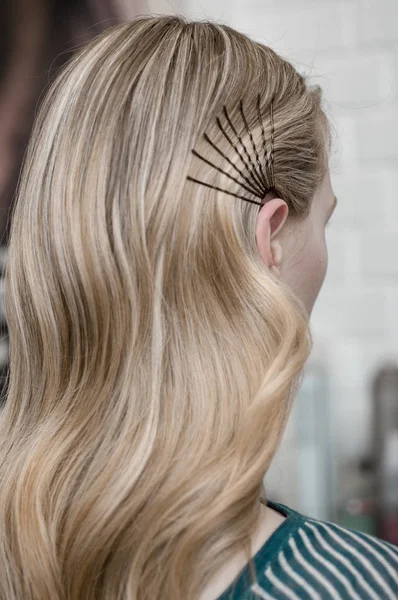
296	27
377	131
357	78
377	22
349	47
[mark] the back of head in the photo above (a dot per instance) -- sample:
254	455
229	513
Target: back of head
152	354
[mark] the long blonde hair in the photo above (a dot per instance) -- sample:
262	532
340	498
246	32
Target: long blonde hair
153	356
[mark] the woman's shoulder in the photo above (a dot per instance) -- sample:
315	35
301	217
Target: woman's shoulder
324	560
308	528
310	558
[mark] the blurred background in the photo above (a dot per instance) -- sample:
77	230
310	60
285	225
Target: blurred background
339	457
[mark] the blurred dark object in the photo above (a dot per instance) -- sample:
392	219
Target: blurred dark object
36	38
385	452
357	505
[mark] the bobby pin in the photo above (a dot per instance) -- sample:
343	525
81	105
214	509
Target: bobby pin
253	168
214	187
255	179
264	183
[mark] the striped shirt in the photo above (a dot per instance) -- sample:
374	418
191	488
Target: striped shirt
307	559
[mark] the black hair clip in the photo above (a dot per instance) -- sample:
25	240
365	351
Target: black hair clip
255	181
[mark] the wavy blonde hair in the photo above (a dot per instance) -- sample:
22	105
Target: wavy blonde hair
153	356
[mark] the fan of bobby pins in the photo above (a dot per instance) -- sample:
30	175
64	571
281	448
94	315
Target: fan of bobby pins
257	175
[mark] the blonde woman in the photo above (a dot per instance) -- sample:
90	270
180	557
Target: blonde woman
167	246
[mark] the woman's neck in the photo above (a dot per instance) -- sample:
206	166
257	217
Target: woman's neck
269	521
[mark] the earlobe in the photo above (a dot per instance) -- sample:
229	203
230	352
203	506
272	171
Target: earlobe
277	253
277	256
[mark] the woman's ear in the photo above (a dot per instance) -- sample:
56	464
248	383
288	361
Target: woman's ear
270	220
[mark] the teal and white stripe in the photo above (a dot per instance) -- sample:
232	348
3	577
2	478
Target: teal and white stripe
306	559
